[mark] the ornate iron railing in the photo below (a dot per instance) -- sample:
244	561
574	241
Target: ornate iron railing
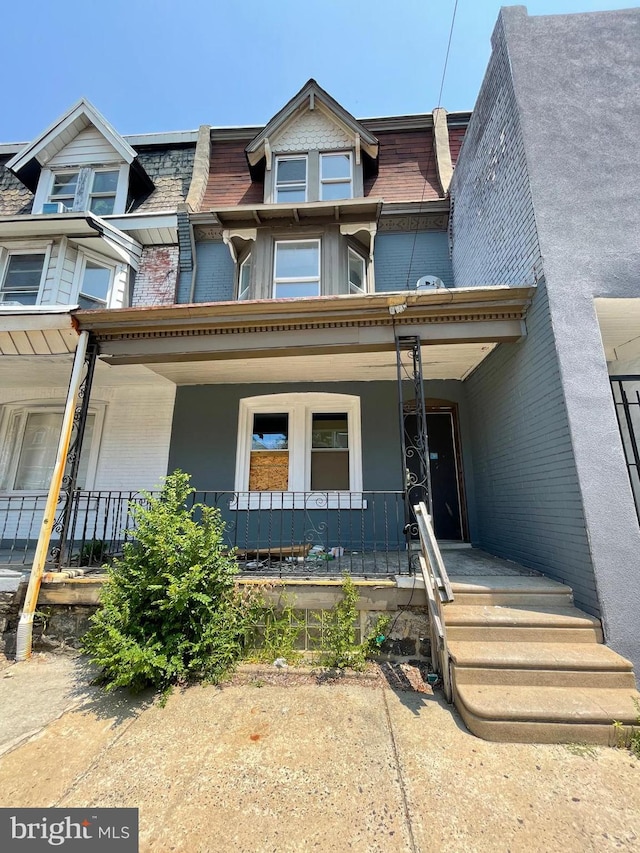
271	533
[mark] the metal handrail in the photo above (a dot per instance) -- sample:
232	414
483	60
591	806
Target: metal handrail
439	592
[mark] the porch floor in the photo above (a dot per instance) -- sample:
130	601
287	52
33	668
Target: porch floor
460	561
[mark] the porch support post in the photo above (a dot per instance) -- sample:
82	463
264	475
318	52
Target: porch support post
25	626
70	479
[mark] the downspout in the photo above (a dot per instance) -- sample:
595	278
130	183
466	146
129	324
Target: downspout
194	257
24	637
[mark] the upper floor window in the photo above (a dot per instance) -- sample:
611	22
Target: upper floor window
103	193
336	179
296	269
95	284
244	278
291	179
64	188
21	280
85	189
357	272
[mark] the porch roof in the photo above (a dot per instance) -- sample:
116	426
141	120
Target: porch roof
33	331
85	229
245	341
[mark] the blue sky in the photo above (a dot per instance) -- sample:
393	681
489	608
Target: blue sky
154	65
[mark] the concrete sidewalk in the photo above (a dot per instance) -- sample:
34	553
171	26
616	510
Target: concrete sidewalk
290	763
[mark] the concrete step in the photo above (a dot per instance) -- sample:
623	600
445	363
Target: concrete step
521	616
489	584
505	634
579	679
516	713
560	656
513	599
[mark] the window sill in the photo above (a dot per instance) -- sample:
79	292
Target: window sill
298	500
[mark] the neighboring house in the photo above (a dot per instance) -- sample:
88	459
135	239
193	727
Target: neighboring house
272	303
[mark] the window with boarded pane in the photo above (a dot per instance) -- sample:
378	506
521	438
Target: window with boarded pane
329	451
269	462
22	279
291	179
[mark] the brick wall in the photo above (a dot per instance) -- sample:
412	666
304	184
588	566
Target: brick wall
493	228
157	278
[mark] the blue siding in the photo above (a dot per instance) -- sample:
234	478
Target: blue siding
528	500
393	255
214	275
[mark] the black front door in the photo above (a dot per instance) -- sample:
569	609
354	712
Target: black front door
443	469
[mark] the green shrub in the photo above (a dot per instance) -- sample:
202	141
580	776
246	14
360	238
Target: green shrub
171	611
276	631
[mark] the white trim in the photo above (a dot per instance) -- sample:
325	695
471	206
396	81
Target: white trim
292	184
85	255
20	410
296	279
297	500
322	181
363	288
299	406
9	249
244	293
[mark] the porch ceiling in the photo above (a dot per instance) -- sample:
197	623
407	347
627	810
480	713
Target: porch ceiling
31	332
53	372
620	328
453	361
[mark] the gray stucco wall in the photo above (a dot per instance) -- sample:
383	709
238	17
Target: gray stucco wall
397	270
575	81
214	274
528	499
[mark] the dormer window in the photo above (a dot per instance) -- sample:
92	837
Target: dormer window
102	198
64	188
291	179
336	179
70	189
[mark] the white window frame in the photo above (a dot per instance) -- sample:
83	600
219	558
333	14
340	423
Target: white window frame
300	408
51	199
91	195
47	178
326	181
244	292
280	158
85	255
10	456
352	288
8	250
277	281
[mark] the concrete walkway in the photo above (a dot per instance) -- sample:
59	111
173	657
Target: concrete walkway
293	763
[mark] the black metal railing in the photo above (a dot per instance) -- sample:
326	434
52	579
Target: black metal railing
627	401
272	533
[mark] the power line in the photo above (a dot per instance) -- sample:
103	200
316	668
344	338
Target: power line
432	153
